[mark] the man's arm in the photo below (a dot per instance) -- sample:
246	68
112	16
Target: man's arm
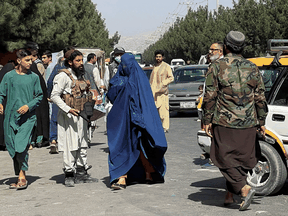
59	84
3	89
38	96
106	77
96	77
170	77
41	69
210	96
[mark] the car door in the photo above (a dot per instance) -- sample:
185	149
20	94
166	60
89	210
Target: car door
277	118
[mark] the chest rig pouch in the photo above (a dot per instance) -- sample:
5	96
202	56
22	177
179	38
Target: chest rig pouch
80	92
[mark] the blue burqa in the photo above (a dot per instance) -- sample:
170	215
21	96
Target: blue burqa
133	124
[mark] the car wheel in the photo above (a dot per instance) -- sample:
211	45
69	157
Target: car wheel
270	173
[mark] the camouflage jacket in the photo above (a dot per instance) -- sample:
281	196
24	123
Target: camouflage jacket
234	94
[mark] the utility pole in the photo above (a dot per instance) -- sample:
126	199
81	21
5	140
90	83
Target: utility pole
187	3
207	11
217	6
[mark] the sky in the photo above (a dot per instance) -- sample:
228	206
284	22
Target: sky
132	17
137	20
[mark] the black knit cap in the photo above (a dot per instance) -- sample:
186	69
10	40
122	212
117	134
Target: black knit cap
119	50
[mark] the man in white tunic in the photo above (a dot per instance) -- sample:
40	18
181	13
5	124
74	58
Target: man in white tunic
72	129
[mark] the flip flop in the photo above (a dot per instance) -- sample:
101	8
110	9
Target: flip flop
247	200
13	186
117	186
22	187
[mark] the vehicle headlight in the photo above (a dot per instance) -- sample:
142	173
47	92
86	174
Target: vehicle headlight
171	95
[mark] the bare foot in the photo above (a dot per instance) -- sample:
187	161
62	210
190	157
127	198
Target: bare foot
245	190
122	181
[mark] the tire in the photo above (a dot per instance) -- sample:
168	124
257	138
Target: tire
270	173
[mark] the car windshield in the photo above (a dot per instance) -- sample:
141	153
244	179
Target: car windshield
178	63
190	75
148	72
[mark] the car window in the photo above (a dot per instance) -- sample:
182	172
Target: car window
281	97
190	75
269	76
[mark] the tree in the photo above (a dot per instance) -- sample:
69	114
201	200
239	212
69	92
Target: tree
53	24
191	37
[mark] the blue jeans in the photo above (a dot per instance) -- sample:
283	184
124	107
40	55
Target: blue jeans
53	123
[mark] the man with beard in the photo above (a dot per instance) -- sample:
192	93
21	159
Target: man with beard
69	91
234	108
160	78
215	52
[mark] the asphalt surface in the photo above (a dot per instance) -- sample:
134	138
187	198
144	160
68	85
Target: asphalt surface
190	187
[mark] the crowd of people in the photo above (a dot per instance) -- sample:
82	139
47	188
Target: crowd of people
48	104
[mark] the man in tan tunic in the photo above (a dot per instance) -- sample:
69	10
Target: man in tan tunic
160	78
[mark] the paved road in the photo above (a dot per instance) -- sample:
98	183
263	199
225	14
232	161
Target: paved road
188	190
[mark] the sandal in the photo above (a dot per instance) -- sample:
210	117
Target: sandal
13	185
117	185
246	201
53	147
22	184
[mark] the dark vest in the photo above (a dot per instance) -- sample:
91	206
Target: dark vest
89	74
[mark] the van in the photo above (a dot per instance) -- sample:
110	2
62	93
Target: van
175	63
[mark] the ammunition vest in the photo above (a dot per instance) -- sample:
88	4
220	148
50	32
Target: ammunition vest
80	92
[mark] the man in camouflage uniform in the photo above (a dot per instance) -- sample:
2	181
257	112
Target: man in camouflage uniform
234	107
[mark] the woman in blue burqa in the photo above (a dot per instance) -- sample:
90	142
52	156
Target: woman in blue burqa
136	139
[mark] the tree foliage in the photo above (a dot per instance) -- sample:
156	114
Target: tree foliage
191	36
53	24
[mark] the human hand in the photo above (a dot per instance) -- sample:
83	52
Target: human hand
74	112
49	100
262	130
1	109
103	87
208	130
22	110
